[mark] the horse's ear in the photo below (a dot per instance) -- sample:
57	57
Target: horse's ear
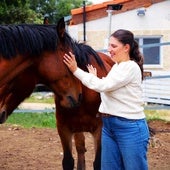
61	27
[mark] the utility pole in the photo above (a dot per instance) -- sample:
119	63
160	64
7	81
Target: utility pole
84	21
110	9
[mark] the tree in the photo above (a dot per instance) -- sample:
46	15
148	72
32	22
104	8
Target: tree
64	7
46	8
17	11
54	9
34	11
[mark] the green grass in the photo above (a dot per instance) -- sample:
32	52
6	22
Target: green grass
39	120
158	115
47	120
29	120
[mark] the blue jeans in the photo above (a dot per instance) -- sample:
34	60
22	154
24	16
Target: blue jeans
124	144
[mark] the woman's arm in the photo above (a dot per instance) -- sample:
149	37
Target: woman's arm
115	79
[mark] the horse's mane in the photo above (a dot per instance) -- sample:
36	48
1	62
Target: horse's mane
32	40
27	39
83	52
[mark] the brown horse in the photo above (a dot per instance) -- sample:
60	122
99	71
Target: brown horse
69	121
72	118
37	46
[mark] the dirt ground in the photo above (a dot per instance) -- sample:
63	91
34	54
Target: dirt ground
35	149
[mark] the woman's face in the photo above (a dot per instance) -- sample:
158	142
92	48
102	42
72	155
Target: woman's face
118	51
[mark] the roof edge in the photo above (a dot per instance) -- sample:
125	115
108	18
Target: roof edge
96	6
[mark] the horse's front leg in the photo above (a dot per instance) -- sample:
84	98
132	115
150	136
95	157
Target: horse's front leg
80	147
97	144
66	141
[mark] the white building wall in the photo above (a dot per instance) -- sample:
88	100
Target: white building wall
156	22
157	17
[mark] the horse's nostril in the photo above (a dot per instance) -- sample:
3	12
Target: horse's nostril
73	102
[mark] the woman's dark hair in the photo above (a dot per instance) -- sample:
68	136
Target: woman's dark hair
127	37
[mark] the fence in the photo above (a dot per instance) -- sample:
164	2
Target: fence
156	89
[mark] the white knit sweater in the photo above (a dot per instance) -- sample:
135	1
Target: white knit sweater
120	90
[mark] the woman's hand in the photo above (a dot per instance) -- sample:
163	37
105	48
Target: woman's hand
70	61
92	69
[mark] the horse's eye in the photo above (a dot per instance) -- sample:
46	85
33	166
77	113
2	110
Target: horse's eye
62	49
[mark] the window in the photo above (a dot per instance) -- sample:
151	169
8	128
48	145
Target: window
152	55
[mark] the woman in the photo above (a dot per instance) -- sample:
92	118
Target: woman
125	132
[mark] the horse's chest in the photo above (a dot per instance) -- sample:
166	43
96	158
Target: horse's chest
82	123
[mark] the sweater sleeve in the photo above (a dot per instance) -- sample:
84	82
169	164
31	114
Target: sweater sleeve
117	77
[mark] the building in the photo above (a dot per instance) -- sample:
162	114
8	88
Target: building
149	20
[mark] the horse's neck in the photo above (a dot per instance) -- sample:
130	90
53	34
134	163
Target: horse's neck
108	63
89	95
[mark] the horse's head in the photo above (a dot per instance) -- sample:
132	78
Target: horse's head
53	71
59	79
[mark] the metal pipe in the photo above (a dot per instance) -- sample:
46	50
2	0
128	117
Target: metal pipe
84	21
110	21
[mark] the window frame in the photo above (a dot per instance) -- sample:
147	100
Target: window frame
141	38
